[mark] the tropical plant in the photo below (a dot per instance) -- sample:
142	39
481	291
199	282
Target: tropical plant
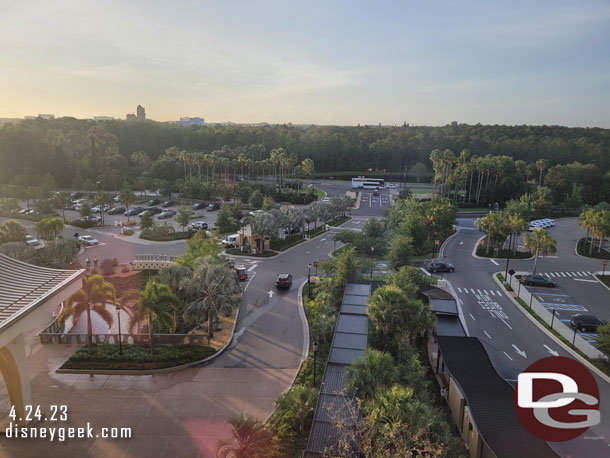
250	439
95	294
62	200
300	400
151	308
49	228
539	241
127	197
12	231
146	221
376	371
213	288
182	218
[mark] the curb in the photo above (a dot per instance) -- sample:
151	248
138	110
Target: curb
441	250
219	352
549	333
304	351
599	274
475	255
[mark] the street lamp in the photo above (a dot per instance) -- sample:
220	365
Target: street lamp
118	314
315	354
510	242
372	251
309	280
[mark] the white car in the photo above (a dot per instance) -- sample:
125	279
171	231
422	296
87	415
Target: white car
88	240
30	240
96	209
549	222
231	240
392	186
255	212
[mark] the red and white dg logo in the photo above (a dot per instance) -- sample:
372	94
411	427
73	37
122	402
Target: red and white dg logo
557	399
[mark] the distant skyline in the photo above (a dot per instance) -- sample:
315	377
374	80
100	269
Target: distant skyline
319	62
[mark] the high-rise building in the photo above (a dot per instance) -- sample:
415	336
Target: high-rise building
141	114
186	121
131	117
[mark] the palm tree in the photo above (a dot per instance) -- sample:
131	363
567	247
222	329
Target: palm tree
214	288
541	164
12	231
300	399
539	242
376	371
93	296
388	311
62	200
175	277
250	439
151	307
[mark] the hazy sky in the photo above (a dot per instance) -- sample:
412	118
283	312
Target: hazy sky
324	62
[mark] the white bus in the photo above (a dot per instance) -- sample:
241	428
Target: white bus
367	183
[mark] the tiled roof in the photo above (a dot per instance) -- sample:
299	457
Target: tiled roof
23	286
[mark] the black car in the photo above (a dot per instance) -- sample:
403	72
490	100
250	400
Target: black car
198	205
537	280
152	202
116	210
154	210
168	203
586	323
213	207
439	266
134	211
284	281
166	214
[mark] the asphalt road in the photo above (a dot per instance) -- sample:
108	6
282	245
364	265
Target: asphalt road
512	341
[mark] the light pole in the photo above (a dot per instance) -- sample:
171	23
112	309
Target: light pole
309	280
315	354
118	314
372	251
510	242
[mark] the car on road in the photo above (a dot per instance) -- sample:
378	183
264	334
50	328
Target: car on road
440	266
240	272
116	210
134	211
586	323
88	240
213	207
283	281
152	202
198	205
168	203
199	225
537	280
30	240
166	214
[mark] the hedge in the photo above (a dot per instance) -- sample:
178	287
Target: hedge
582	249
135	357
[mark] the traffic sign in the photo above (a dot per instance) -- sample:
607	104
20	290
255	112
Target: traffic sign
436	242
604	263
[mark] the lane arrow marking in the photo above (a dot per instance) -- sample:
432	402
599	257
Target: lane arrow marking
552	352
271	293
521	352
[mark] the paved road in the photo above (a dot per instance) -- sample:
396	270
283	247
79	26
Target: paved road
511	339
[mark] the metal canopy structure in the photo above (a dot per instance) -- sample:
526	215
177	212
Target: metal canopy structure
348	345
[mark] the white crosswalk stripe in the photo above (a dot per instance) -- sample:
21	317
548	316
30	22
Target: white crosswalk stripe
499	293
459	290
472	291
492	293
568	274
551	274
580	274
562	274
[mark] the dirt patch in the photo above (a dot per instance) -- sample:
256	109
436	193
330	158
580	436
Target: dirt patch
222	337
123	278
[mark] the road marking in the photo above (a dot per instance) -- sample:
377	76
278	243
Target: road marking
568	307
509	326
486	293
271	293
479	291
553	294
499	293
521	352
487	334
473	291
494	262
322	240
492	293
461	243
580	274
318	247
308	252
252	268
249	281
588	273
582	279
507	355
551	274
551	351
568	274
473	318
459	290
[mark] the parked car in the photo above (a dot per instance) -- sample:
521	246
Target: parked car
116	210
586	323
255	212
98	209
376	192
199	225
76	195
166	214
116	198
152	202
168	203
198	205
154	210
94	218
284	281
213	207
88	240
537	280
440	266
145	213
134	211
30	240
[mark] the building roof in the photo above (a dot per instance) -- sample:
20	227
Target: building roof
24	286
440	300
490	399
348	345
448	325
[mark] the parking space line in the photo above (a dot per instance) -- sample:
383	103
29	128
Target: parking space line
487	334
552	294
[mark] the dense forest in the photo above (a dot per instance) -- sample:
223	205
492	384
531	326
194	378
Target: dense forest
68	147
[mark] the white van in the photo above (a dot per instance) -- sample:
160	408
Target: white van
231	241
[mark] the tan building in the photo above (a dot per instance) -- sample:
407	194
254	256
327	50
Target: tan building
251	242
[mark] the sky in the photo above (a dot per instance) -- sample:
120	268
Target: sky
315	62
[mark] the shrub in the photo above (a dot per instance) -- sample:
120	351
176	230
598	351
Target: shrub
107	265
164	233
128	232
